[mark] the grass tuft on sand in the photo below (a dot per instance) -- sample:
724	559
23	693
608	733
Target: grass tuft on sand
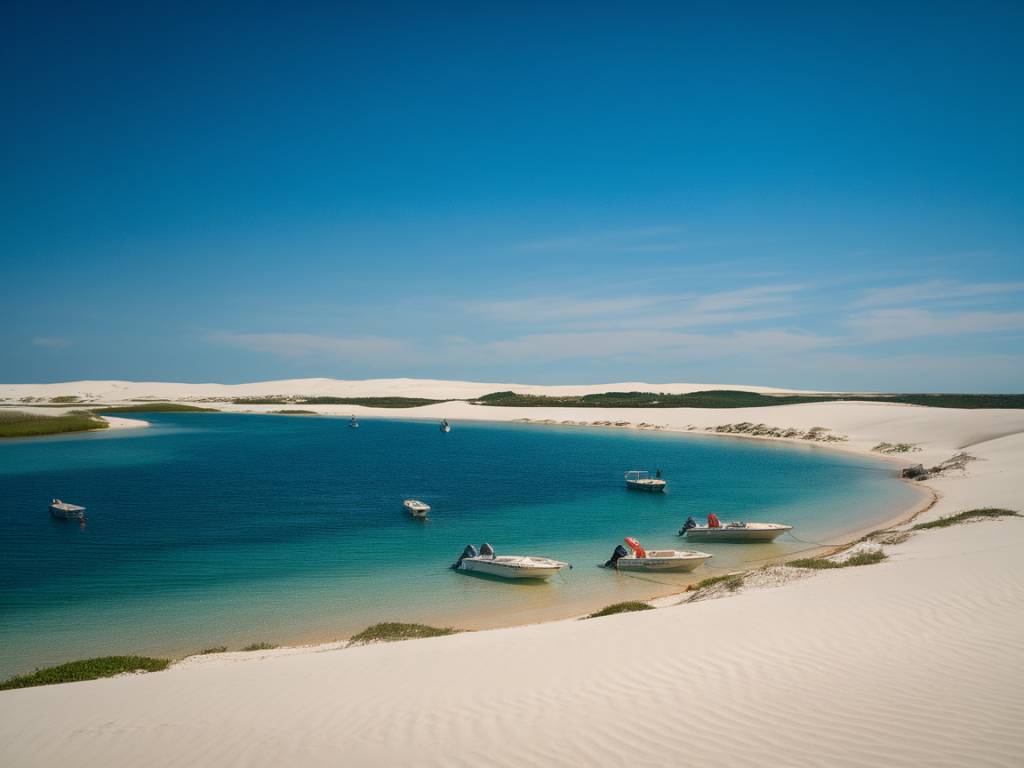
215	649
295	412
626	607
391	631
963	517
21	424
260	647
731	581
821	563
86	669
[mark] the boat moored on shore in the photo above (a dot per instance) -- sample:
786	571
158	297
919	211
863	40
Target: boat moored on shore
733	532
640	559
506	566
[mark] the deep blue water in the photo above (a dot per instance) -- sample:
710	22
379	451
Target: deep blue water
211	529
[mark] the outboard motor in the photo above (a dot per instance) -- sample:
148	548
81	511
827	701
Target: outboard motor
620	551
690	523
486	550
469	551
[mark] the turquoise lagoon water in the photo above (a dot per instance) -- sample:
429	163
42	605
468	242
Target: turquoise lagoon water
210	529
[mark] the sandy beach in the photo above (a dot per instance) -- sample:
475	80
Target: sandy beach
909	662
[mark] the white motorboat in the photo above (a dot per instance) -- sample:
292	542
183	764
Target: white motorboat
64	511
640	559
445	426
641	480
416	508
507	566
734	532
353	424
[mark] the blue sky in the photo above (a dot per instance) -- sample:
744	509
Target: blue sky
805	195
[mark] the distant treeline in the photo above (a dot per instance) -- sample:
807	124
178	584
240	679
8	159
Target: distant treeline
729	398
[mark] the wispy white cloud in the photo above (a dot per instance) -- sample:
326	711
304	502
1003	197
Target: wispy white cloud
561	307
51	342
644	310
743	298
296	345
642	344
936	290
897	324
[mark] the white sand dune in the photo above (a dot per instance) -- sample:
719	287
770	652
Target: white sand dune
117	391
915	661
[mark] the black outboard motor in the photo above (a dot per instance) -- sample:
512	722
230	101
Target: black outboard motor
690	523
486	550
469	551
620	551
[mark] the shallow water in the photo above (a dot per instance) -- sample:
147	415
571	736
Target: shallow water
211	529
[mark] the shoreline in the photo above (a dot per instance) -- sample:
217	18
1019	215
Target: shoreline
924	646
544	614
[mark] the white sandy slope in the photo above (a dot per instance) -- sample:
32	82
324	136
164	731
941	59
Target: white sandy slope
119	391
915	661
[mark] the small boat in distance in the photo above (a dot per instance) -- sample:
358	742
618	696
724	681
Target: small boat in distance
416	508
641	480
445	426
353	424
64	511
734	532
506	566
655	560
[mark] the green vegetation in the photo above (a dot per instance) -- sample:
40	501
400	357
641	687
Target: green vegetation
153	408
896	448
64	399
731	581
729	398
295	412
821	563
21	424
963	517
389	632
87	669
626	607
370	402
260	647
716	398
215	649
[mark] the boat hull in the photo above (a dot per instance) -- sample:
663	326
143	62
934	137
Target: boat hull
658	564
650	486
510	570
760	534
66	514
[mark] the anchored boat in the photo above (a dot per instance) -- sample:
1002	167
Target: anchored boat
639	559
641	480
506	566
416	508
64	511
733	532
445	426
